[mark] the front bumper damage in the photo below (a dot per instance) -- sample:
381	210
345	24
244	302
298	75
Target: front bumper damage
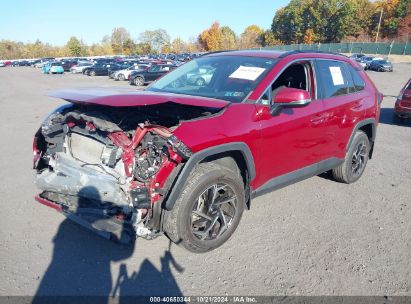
109	180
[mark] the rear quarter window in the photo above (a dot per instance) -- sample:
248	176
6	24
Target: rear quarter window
358	83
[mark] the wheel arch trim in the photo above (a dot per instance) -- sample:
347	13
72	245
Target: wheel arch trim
198	157
362	123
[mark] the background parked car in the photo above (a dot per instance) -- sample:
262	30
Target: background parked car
53	68
402	108
42	62
125	74
201	77
381	66
102	69
139	78
80	66
67	64
5	63
21	63
367	60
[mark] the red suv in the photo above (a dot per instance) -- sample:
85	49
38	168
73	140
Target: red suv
185	158
402	108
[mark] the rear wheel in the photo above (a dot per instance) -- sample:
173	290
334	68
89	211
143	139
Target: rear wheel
355	160
208	210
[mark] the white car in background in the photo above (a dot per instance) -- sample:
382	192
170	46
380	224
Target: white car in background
201	77
79	67
125	74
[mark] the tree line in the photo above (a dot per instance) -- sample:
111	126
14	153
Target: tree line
301	21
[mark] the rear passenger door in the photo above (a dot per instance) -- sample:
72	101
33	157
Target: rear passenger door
343	103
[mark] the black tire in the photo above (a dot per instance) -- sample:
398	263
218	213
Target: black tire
355	160
183	225
397	119
92	73
139	81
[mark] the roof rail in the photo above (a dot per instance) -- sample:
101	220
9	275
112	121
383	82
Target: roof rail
308	51
215	52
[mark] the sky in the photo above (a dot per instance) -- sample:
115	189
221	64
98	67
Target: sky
55	21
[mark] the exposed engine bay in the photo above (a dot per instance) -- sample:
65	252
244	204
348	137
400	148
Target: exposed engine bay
112	167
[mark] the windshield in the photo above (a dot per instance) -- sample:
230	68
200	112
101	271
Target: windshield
229	78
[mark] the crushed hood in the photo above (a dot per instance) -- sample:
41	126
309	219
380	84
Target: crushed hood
126	98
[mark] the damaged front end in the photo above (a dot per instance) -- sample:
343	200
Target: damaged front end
110	168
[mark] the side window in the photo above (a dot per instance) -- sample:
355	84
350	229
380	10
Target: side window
154	68
297	76
332	77
358	83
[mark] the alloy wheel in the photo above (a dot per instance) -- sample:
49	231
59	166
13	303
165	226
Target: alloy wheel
214	212
359	159
139	81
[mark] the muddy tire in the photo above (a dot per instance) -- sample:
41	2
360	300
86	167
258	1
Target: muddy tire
208	210
355	160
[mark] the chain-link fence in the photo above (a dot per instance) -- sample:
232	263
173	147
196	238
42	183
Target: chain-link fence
403	48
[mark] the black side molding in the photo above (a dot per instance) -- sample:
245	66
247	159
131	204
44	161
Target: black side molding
296	176
201	155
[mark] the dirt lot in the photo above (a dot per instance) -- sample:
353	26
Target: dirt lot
317	237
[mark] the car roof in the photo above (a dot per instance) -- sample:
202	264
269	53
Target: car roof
271	54
249	53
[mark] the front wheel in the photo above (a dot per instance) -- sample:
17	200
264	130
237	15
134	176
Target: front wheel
121	77
92	73
139	81
355	160
208	210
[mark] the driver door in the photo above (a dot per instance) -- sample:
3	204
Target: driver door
293	139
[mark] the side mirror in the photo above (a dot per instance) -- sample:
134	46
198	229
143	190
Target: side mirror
289	98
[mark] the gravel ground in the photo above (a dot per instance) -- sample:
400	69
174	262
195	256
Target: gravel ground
317	237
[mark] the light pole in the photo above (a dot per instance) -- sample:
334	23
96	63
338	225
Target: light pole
379	25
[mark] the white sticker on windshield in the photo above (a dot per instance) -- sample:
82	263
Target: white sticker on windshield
248	73
336	75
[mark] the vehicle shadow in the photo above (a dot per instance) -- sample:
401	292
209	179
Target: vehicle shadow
387	117
80	269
